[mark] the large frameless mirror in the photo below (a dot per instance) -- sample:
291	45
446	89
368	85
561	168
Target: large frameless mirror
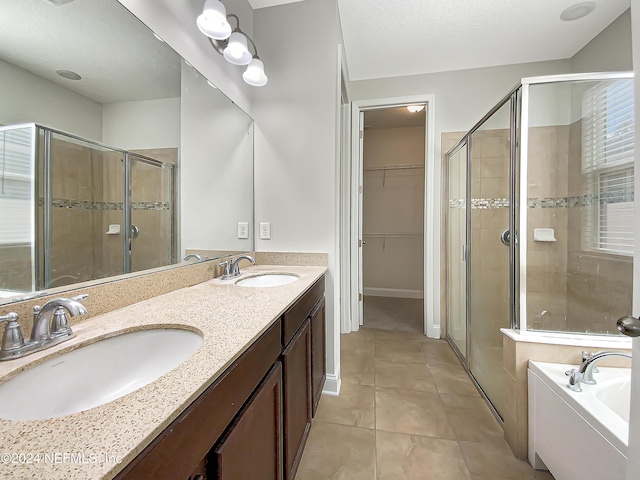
116	156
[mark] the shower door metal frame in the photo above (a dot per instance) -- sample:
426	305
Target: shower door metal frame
465	253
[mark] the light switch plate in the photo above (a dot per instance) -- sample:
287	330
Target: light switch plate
243	229
265	231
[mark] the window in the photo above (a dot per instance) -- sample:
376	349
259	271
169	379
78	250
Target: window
607	167
15	185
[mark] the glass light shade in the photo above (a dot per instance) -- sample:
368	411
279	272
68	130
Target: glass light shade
254	74
213	20
237	51
415	108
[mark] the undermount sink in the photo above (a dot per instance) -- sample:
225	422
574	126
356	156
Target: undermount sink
268	280
95	374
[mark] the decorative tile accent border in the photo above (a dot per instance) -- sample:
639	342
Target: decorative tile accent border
86	205
550	202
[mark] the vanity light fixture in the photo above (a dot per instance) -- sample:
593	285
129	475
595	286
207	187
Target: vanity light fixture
233	45
415	108
213	22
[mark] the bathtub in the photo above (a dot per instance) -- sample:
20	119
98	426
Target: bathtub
579	435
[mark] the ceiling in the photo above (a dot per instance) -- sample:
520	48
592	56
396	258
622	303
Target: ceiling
388	38
118	58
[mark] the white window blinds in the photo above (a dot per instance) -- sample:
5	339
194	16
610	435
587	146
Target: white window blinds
607	167
16	186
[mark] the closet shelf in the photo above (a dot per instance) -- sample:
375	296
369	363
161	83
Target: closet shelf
393	167
393	235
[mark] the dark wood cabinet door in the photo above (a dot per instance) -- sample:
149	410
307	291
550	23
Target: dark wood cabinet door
252	446
318	353
297	397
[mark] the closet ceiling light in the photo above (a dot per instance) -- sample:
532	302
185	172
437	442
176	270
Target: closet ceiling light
577	11
232	45
415	108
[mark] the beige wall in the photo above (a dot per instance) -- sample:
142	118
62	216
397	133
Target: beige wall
393	203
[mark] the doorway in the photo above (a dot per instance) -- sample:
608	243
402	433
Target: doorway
393	216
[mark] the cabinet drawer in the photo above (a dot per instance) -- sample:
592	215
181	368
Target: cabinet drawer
298	313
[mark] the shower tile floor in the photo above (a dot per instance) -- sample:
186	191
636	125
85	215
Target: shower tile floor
390	313
406	410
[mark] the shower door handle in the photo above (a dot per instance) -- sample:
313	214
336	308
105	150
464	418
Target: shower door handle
505	237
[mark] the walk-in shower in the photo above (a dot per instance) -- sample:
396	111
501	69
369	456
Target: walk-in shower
73	210
539	218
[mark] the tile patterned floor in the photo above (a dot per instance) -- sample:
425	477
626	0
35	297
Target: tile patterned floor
407	410
404	314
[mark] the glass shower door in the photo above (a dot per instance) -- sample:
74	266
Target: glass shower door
151	214
489	296
82	210
456	249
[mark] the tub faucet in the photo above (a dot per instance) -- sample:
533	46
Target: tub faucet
589	363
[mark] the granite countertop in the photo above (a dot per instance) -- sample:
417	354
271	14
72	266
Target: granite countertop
99	442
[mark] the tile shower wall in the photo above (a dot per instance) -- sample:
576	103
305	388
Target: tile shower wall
547	261
569	287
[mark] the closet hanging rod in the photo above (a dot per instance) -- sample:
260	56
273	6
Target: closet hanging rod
393	235
393	167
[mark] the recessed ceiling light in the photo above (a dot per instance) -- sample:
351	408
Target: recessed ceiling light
68	74
415	108
57	3
579	10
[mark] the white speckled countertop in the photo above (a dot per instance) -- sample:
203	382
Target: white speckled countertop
89	444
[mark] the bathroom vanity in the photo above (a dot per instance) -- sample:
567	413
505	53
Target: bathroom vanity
253	421
240	407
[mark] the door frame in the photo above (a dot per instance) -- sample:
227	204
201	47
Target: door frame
431	285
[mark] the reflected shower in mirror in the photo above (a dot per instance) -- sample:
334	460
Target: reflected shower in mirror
116	156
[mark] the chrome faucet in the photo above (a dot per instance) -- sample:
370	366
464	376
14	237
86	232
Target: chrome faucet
232	269
193	255
584	373
50	327
235	268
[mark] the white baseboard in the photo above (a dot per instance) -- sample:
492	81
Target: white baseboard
332	385
393	292
434	331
